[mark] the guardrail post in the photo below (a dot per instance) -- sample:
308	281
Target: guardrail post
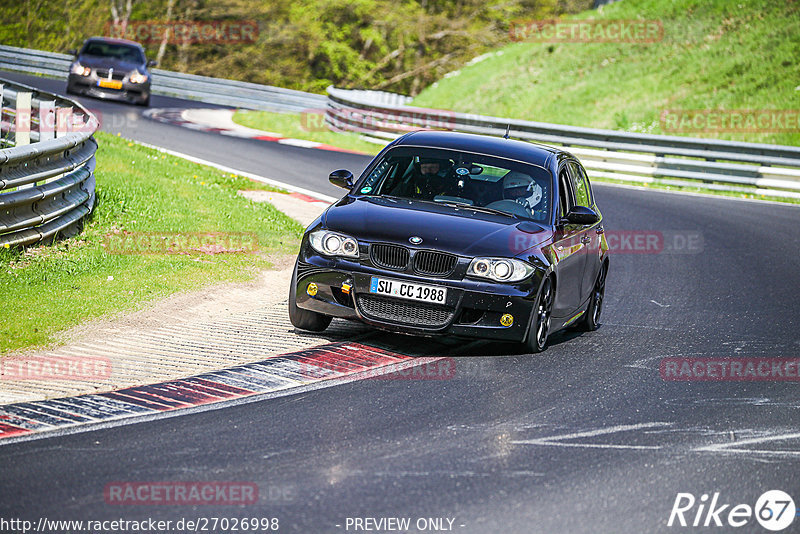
47	120
22	126
7	115
1	116
63	121
47	126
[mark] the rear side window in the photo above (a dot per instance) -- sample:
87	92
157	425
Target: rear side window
580	186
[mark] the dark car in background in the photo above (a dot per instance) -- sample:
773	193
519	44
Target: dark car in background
457	234
114	69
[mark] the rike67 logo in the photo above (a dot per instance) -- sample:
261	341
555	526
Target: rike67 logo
774	510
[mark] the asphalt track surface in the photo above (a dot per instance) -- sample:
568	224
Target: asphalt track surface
585	437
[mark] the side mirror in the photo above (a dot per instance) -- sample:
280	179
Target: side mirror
152	62
582	215
72	52
342	178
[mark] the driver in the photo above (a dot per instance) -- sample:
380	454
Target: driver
522	189
429	178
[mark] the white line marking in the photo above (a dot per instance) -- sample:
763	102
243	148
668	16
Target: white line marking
256	177
735	445
557	440
299	142
222	120
659	304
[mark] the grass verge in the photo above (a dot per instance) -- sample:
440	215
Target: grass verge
47	289
308	126
714	55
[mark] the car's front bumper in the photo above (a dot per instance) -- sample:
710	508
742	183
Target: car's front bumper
129	92
473	308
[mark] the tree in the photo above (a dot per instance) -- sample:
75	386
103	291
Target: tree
121	13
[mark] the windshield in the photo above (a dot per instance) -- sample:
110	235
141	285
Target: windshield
122	52
457	178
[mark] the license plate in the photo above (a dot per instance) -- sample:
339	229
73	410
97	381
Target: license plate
408	290
110	84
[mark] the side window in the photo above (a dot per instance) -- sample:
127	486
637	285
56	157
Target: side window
580	186
564	188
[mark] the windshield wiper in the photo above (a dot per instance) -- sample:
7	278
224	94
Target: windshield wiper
482	209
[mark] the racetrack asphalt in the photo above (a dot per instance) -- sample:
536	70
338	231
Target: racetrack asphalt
585	437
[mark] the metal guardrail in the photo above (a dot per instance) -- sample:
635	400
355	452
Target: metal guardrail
167	83
669	160
47	183
761	169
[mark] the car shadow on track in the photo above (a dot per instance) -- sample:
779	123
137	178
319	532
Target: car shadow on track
498	348
430	346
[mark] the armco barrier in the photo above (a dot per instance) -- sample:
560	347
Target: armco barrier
758	169
203	88
46	165
772	170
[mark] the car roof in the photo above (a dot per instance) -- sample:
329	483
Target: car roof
481	144
112	40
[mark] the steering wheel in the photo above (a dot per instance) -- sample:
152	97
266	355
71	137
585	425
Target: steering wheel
509	206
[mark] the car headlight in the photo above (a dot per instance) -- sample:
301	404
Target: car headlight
500	269
137	77
333	244
80	70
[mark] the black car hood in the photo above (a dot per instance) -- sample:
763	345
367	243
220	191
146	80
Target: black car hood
98	62
456	230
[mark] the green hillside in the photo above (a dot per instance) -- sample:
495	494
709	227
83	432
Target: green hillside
714	55
301	44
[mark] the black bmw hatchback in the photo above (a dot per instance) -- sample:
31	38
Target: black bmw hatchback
457	234
114	69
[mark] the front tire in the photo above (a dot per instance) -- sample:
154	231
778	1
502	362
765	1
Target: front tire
591	319
304	319
539	328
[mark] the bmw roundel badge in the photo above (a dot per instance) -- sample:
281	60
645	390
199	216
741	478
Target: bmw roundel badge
415	240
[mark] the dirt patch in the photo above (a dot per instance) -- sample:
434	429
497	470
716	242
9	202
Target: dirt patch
268	287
